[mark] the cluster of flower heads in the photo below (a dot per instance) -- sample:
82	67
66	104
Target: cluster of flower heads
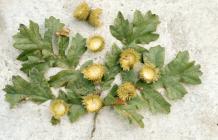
83	12
126	91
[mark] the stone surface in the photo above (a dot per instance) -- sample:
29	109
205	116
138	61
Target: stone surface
185	25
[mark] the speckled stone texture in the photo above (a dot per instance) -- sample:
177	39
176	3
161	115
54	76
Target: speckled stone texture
185	25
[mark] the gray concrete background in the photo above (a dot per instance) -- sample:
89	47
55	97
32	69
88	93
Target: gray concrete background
185	25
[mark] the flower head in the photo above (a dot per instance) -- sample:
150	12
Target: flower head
82	11
95	43
149	73
94	72
129	58
92	103
58	108
126	91
94	17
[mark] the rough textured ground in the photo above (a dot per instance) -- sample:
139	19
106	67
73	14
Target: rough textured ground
185	25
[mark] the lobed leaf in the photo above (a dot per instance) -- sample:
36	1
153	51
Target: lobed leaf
129	76
52	25
174	89
122	29
37	90
62	78
77	48
112	67
63	43
130	114
155	100
138	102
155	55
80	85
75	112
110	99
181	68
70	97
28	38
140	30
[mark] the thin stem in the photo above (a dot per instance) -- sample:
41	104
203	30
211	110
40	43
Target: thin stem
94	125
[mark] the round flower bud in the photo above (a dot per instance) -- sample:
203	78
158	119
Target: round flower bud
94	72
58	108
82	11
95	43
149	73
129	58
126	91
92	103
94	17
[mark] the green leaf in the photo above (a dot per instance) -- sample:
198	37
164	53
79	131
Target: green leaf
39	85
63	43
138	102
36	90
140	30
28	38
62	78
129	76
174	89
40	65
37	52
106	84
110	99
52	25
25	54
144	27
155	100
112	67
75	112
80	85
112	58
87	63
122	29
77	48
70	97
192	75
155	55
184	70
137	48
130	114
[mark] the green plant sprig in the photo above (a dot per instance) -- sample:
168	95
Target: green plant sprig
40	52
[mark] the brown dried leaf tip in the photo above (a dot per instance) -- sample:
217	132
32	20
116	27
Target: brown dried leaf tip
63	32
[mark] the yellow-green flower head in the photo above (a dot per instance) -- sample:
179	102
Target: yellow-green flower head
82	11
94	72
95	43
92	103
94	17
129	58
126	91
149	73
58	108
